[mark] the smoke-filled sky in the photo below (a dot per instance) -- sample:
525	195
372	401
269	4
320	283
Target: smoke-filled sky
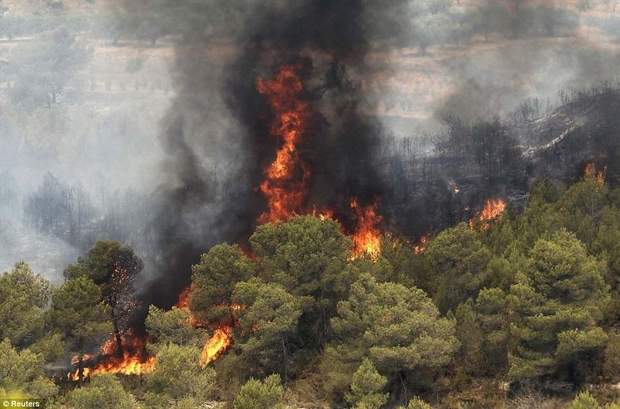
147	110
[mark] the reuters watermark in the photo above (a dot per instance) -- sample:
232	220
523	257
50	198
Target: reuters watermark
22	403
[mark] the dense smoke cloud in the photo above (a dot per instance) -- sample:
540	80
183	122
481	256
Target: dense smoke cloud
217	131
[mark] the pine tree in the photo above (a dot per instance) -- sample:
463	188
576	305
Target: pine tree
366	387
556	305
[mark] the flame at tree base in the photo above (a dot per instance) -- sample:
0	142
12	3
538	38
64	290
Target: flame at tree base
133	359
127	365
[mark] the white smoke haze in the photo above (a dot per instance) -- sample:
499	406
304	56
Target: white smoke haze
118	113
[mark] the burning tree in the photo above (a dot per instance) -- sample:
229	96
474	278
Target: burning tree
113	267
287	178
366	237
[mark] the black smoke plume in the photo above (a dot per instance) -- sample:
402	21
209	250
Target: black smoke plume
216	134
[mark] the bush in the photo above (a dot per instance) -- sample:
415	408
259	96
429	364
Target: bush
178	375
584	400
103	392
256	394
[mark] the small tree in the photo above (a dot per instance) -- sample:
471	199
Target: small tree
611	360
470	336
178	375
493	321
458	259
417	403
80	314
214	279
23	372
398	328
23	297
103	392
173	326
267	320
584	400
556	305
308	257
113	267
366	387
44	67
256	394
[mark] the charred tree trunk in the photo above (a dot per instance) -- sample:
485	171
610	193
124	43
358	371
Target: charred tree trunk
284	360
117	334
81	368
403	383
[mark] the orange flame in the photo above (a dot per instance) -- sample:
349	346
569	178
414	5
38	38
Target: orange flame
217	345
420	247
366	237
132	361
493	209
221	339
183	304
598	176
183	301
286	177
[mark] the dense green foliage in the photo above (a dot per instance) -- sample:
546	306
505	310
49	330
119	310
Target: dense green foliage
172	327
366	386
256	394
104	391
178	376
24	296
530	299
80	314
21	372
214	280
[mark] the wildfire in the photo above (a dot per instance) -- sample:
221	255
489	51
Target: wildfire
493	208
183	304
131	361
367	237
420	247
183	301
286	177
221	339
598	176
324	214
216	345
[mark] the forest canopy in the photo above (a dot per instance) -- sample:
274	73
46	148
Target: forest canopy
529	300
